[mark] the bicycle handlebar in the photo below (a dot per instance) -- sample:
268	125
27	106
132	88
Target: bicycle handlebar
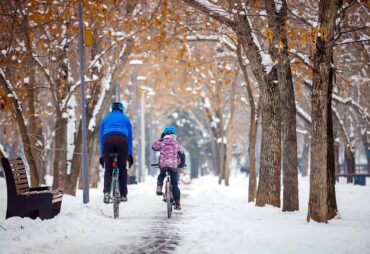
157	165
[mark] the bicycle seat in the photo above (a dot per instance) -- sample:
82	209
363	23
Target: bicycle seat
113	154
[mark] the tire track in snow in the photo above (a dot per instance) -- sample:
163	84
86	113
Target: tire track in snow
162	237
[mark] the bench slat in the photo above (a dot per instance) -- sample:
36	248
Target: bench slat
19	173
55	200
20	177
21	181
17	167
22	186
56	195
15	161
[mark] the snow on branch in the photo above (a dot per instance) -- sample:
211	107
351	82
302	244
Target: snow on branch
336	98
213	8
42	67
303	114
278	5
14	99
65	101
106	81
304	58
212	11
340	122
10	89
266	57
97	57
357	106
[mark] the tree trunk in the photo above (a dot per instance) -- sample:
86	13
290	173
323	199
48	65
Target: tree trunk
337	165
332	202
322	192
277	21
22	130
76	164
269	183
252	187
230	131
348	154
93	147
215	156
350	163
60	150
305	153
367	149
34	122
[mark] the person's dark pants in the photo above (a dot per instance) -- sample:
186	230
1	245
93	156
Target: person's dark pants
174	181
115	144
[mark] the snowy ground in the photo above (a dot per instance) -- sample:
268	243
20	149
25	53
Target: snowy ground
214	219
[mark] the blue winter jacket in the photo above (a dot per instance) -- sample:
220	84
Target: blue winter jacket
116	123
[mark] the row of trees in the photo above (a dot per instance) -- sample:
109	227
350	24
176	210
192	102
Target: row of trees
273	60
272	69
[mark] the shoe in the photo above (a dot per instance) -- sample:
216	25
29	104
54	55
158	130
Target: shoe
106	198
123	199
159	190
177	205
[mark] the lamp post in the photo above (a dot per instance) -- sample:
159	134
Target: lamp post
85	175
136	110
142	130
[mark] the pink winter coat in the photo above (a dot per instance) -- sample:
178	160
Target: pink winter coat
169	148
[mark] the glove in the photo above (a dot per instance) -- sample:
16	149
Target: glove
162	135
130	161
101	161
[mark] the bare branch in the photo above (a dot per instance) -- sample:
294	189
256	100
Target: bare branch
212	11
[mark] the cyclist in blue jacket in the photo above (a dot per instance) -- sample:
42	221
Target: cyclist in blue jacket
116	137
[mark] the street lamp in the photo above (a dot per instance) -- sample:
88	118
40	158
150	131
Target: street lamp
142	128
137	62
85	175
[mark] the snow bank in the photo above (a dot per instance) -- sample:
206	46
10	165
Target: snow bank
214	219
219	220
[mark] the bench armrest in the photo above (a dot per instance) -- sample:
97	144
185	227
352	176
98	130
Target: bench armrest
43	188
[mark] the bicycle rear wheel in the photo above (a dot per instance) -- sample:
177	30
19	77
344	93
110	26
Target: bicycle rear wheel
115	200
168	199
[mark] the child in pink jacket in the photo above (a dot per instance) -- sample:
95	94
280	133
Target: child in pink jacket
170	159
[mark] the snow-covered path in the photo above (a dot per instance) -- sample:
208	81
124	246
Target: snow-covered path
214	219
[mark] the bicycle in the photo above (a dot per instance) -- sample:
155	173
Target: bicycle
116	195
167	195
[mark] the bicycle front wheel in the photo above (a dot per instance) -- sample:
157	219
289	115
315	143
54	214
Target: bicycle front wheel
168	199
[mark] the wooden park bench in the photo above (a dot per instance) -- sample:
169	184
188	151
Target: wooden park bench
24	201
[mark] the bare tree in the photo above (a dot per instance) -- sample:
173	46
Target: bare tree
322	202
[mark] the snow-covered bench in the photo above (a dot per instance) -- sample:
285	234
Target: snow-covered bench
24	201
